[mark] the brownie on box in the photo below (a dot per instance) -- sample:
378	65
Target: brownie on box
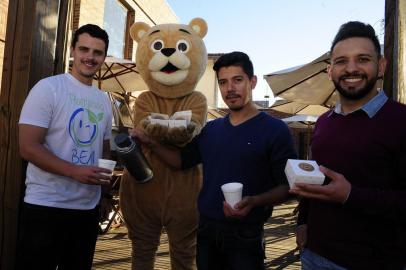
303	171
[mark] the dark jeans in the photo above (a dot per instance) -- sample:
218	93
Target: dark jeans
230	246
53	237
313	261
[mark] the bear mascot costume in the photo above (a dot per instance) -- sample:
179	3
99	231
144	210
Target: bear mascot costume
171	58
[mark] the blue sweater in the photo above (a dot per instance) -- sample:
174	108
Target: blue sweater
253	153
369	230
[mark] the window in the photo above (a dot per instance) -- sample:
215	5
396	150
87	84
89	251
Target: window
115	24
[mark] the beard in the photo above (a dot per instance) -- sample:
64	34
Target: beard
88	75
235	108
238	106
232	106
353	94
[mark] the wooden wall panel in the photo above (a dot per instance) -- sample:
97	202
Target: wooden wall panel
30	54
395	49
390	12
3	23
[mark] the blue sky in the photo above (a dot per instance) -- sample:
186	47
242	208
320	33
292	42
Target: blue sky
277	34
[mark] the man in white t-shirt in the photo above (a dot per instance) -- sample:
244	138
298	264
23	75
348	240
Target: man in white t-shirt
64	128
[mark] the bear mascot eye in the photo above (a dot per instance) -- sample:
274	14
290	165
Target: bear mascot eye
157	45
183	46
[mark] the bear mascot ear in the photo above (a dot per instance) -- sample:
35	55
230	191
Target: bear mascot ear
199	26
138	30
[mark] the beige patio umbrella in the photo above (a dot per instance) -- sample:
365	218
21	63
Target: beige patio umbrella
292	107
119	75
307	84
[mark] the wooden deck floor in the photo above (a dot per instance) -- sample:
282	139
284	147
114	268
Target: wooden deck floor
113	250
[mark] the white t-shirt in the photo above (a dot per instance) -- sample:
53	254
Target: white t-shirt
78	119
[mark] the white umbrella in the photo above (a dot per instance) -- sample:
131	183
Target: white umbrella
307	119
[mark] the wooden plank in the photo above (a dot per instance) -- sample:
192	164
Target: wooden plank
43	42
113	250
15	76
390	14
395	49
62	47
401	45
29	56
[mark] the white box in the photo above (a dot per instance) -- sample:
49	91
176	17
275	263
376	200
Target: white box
303	171
161	122
177	123
178	119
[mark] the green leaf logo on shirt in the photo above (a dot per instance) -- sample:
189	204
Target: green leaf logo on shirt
84	130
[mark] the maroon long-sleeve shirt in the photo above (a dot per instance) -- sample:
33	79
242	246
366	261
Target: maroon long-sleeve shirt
368	231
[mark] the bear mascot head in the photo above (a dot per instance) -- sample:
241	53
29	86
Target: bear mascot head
171	59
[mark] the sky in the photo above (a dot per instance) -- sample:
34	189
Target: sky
277	34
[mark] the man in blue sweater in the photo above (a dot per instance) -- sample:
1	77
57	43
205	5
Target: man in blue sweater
246	146
357	220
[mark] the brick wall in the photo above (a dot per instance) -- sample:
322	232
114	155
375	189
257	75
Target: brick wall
76	14
91	11
157	10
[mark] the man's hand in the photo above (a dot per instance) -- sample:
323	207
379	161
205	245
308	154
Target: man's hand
241	209
91	175
337	190
301	236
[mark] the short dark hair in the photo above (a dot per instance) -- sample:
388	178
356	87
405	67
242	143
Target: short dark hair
235	59
357	29
94	31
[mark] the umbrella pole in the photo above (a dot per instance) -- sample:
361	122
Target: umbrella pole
128	108
308	142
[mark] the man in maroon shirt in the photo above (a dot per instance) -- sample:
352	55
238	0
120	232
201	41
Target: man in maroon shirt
357	219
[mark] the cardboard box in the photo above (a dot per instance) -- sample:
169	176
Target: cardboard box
303	171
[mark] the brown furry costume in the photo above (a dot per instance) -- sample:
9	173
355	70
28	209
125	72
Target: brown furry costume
171	58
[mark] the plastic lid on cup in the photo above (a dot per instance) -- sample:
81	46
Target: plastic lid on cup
122	140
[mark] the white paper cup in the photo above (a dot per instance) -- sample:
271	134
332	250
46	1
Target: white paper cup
232	193
107	164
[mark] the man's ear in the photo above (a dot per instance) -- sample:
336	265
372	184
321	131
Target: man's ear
329	72
254	81
381	66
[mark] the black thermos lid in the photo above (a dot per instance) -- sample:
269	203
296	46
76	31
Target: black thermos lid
122	140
